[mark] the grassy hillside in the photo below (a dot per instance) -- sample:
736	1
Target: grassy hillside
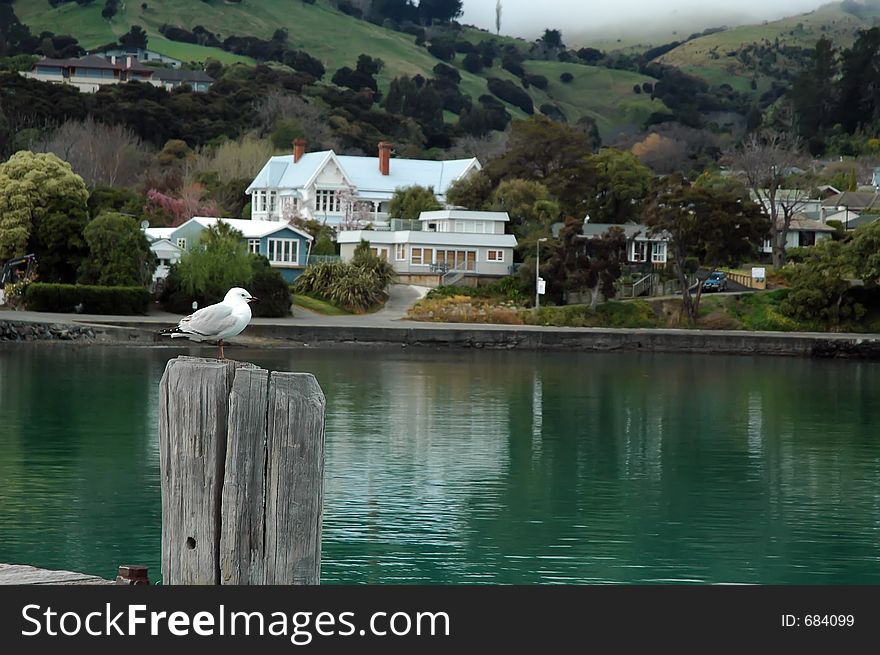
710	56
337	40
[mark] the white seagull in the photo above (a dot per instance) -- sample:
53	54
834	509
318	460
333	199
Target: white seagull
216	322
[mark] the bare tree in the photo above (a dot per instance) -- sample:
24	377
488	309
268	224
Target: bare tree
765	161
110	155
311	118
483	148
234	160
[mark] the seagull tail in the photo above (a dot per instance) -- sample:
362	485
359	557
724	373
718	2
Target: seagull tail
172	332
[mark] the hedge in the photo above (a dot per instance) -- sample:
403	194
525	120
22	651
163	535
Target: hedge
43	297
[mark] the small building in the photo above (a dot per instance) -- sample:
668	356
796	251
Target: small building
345	190
472	243
169	79
165	250
859	201
803	232
286	247
642	247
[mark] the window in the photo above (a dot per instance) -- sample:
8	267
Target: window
458	260
416	257
181	243
284	251
400	251
639	251
658	252
381	253
259	201
495	255
272	195
254	246
326	201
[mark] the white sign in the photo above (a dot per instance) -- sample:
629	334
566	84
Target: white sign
758	273
541	286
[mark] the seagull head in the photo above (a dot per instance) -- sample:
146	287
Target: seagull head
238	295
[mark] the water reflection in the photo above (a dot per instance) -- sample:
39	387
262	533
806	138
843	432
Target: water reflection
485	467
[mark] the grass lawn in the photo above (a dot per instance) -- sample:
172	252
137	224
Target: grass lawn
318	306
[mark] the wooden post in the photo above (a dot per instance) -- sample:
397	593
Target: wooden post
242	459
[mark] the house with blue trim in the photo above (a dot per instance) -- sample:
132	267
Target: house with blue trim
286	247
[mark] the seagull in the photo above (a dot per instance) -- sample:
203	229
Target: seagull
216	322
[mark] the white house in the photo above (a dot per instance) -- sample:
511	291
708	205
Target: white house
342	189
470	242
166	251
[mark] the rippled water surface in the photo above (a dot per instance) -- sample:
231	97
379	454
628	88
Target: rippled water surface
483	467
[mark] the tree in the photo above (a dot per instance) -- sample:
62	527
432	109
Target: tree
817	287
175	210
136	37
618	185
551	39
119	253
439	10
43	210
863	253
223	262
764	161
525	202
409	202
813	93
552	153
471	192
108	155
706	222
498	9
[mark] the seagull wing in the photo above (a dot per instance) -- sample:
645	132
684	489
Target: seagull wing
208	322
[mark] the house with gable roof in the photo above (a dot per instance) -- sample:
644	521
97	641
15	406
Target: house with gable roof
286	247
338	189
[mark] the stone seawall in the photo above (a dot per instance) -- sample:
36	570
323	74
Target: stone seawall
426	335
596	340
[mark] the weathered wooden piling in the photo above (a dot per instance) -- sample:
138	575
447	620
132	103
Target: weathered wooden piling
242	460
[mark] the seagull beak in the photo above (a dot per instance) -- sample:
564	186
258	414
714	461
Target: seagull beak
253	299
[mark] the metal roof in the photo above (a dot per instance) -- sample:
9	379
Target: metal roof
452	239
250	229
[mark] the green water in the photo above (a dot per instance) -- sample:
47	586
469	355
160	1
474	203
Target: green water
481	467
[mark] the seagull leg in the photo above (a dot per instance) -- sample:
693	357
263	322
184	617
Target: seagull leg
220	343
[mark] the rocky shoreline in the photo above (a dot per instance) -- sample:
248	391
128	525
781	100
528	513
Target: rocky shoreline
21	331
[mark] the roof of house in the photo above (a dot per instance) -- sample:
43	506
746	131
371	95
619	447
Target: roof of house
176	75
93	61
854	200
858	221
363	173
249	229
801	223
454	239
463	214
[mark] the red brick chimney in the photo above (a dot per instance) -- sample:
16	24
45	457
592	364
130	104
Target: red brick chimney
299	149
385	158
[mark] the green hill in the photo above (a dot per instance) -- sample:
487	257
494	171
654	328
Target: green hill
337	40
736	56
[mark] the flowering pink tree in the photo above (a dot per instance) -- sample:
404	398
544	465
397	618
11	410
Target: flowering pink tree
177	211
355	213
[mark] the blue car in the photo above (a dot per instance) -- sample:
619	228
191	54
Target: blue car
717	281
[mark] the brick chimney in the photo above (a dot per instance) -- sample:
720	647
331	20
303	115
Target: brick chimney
385	158
299	149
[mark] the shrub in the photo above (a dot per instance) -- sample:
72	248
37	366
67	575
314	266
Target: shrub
356	287
442	51
566	77
538	81
270	287
42	297
472	63
507	90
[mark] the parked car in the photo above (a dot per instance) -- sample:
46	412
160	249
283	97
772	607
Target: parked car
717	281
